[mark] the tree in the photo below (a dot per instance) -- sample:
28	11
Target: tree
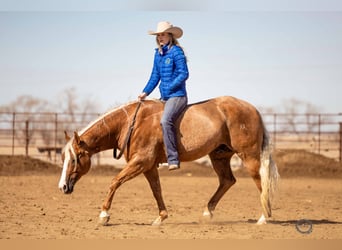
23	111
32	116
26	104
78	111
300	116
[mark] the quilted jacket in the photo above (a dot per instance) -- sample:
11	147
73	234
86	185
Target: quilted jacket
171	70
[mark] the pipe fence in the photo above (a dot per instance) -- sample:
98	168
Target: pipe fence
41	135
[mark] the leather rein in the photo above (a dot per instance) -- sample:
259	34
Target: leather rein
128	135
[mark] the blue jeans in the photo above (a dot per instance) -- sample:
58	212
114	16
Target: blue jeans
172	110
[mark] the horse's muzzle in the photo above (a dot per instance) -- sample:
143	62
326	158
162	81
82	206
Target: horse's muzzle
68	188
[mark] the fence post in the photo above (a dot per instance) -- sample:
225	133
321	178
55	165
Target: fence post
274	130
27	138
319	133
13	132
56	124
340	158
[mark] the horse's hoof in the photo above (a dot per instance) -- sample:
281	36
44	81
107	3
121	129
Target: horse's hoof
262	220
157	222
104	218
103	221
206	216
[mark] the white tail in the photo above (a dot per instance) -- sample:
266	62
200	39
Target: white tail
269	175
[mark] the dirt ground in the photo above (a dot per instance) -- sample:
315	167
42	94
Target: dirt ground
32	207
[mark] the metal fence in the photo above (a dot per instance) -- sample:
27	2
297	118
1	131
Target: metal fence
41	135
317	133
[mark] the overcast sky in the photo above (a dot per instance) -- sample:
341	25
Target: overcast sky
263	55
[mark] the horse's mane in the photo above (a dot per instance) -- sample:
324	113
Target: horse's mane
123	106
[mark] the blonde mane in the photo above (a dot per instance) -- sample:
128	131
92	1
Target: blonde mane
108	113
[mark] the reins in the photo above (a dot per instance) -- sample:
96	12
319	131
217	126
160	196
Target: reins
128	135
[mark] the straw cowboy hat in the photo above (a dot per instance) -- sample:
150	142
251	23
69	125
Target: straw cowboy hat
168	28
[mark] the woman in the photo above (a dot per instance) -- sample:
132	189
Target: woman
171	70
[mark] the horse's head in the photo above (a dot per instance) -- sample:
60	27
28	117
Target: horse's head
76	162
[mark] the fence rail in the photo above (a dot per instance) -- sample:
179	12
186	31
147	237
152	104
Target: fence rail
41	135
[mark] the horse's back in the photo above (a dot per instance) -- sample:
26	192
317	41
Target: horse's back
238	109
228	107
205	125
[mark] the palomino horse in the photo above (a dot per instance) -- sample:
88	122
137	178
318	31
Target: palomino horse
218	127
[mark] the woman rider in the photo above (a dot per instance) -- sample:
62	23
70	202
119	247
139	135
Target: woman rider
170	71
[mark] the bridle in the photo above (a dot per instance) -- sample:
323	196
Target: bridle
128	135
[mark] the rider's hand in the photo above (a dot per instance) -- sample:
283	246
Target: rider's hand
142	96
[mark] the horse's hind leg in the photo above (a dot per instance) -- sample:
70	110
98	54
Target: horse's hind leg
253	167
152	176
220	159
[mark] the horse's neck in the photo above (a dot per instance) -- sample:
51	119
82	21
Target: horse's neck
109	130
104	133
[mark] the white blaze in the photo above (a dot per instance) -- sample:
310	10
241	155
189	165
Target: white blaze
62	181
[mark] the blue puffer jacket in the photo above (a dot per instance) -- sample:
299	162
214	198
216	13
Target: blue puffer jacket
171	70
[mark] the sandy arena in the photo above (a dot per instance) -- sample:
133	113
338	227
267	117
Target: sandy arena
32	207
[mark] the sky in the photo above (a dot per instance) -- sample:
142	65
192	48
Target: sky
264	55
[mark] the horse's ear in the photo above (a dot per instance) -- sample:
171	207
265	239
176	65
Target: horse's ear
77	138
67	137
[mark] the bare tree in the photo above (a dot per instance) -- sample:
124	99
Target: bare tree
34	116
79	111
26	104
300	116
25	120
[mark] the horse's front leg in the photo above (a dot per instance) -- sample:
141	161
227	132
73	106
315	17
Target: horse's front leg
152	176
129	172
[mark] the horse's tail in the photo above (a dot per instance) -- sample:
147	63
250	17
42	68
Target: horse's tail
269	174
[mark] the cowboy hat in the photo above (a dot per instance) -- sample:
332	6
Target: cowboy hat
167	28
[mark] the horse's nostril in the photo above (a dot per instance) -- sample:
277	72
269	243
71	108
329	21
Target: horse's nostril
65	188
